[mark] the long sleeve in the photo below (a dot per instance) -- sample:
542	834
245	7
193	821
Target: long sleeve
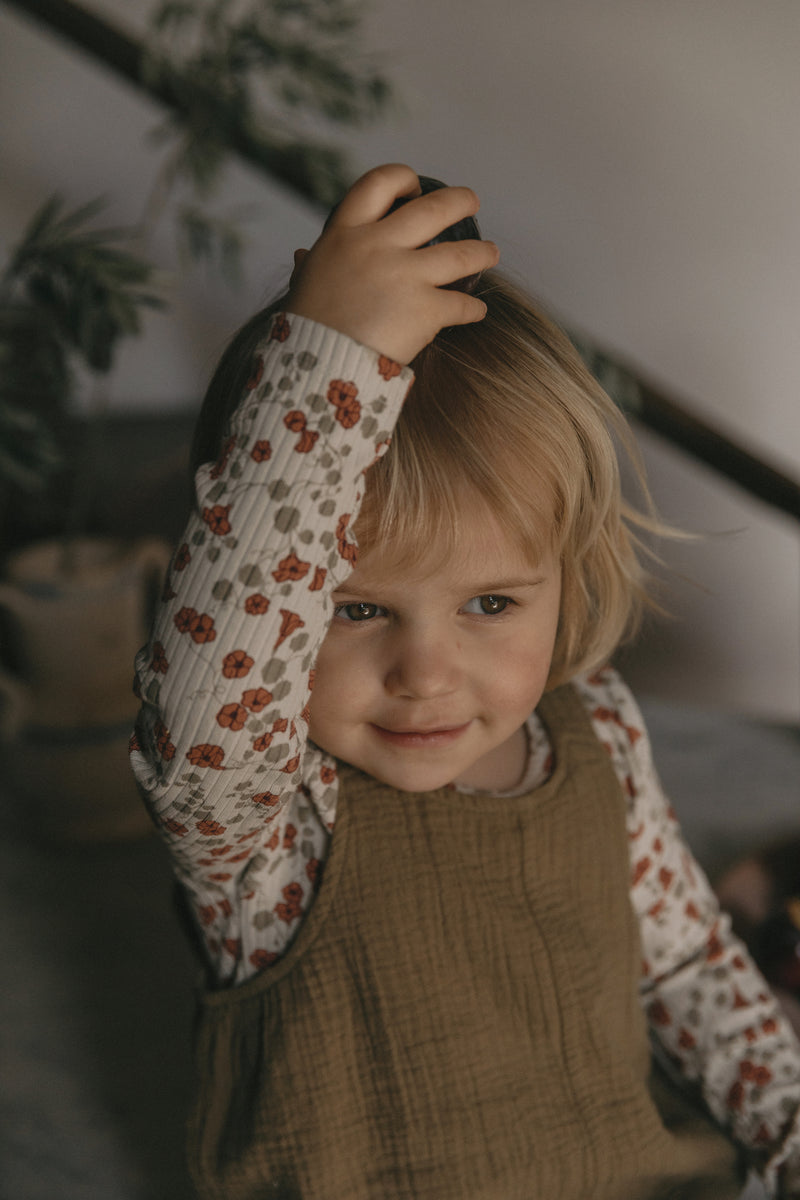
220	748
707	1005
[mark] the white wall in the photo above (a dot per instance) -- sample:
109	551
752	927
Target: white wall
638	165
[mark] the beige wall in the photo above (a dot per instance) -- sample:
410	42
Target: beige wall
638	165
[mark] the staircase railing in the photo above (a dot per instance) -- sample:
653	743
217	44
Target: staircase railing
673	420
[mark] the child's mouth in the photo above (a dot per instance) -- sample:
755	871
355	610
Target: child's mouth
410	738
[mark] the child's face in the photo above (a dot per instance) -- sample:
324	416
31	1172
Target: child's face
427	675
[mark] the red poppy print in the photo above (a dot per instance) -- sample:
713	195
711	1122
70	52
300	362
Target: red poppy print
295	420
346	549
262	451
222	461
343	398
313	871
306	441
281	725
287	913
293	893
159	663
221	877
206	915
640	870
290	621
291	765
237	664
210	828
261	959
232	946
268	799
232	716
327	774
665	877
164	745
280	328
289	835
273	842
202	629
206	755
256	373
182	557
263	742
388	368
290	569
184	619
659	1013
174	827
216	519
256	699
318	580
686	1040
256	605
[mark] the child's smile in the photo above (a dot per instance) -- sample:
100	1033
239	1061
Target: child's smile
427	674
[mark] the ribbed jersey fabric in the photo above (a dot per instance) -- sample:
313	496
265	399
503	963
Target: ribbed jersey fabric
458	1017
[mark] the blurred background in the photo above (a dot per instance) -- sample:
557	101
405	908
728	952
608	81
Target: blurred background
637	164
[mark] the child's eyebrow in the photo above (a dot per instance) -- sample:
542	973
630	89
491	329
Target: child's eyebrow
508	585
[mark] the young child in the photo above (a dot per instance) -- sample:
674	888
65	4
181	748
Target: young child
458	948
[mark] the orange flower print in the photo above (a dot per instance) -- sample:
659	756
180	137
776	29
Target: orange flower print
280	328
216	519
291	765
272	844
290	569
256	373
318	580
232	946
210	828
222	461
262	451
312	676
237	664
293	893
256	698
268	799
263	742
202	629
281	725
182	557
206	914
295	420
261	959
168	592
256	604
313	871
206	755
735	1097
165	746
327	774
232	716
174	827
289	835
388	368
159	663
640	870
184	619
290	621
686	1040
134	743
343	398
346	549
659	1013
306	441
340	394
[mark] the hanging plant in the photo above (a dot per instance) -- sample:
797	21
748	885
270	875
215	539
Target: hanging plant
273	76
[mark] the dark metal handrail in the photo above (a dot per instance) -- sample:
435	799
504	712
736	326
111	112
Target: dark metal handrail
648	404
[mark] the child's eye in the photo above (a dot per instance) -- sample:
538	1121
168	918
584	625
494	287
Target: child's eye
488	606
360	611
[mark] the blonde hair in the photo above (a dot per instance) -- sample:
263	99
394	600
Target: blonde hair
506	411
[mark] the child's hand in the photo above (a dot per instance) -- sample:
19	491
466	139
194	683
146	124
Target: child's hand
375	279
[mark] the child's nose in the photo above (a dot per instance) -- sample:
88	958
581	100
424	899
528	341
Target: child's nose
423	666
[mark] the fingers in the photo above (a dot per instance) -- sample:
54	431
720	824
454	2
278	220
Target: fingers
371	196
428	216
448	262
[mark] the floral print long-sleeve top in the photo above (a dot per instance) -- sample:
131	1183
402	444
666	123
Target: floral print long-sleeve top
247	804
